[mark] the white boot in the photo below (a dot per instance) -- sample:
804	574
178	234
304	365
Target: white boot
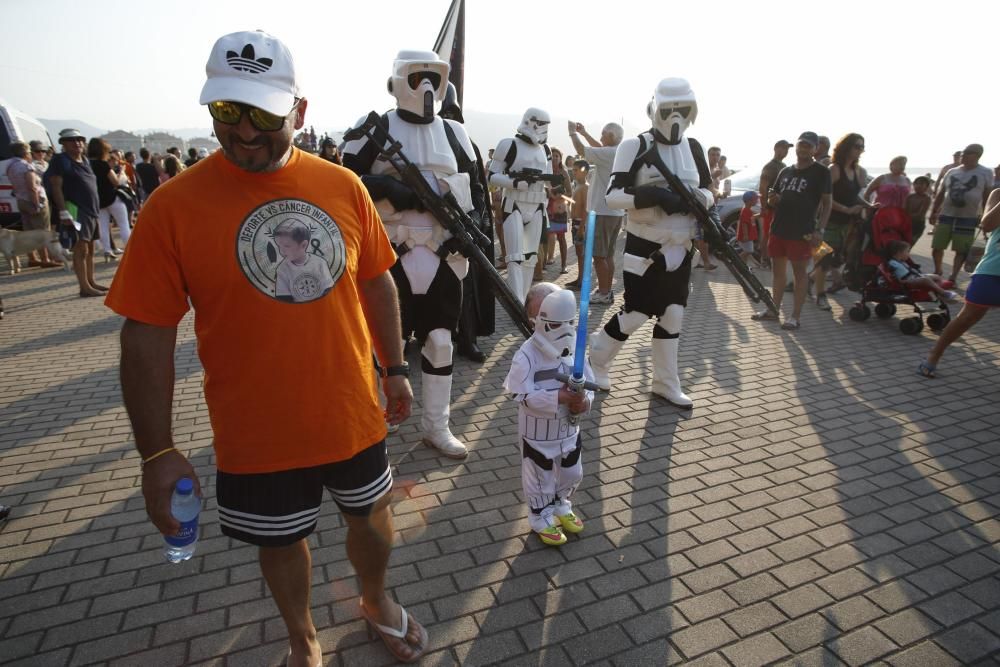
603	349
527	275
515	279
666	382
436	390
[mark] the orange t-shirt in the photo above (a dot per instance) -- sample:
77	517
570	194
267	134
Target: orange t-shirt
271	265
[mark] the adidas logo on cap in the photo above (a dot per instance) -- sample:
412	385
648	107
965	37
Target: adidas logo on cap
245	61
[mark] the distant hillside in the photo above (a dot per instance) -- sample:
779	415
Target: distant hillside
55	125
184	133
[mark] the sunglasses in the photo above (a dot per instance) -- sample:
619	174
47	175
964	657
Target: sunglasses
230	113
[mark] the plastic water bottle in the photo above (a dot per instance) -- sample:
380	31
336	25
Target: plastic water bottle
184	506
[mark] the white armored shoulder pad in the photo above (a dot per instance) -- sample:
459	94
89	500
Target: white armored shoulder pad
625	156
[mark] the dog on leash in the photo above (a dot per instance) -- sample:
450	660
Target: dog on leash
14	243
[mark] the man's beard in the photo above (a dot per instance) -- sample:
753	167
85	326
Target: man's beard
266	161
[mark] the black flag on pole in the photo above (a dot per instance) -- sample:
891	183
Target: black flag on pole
450	44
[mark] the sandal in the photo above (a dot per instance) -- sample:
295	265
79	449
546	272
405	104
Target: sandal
764	315
387	634
790	324
926	370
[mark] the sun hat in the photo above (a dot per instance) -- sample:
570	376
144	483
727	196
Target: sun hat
254	68
70	134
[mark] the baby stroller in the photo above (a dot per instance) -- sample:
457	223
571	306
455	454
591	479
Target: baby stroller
881	286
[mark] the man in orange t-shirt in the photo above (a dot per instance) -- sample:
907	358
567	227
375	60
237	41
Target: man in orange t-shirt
285	261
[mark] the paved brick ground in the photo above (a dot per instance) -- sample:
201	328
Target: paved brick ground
820	505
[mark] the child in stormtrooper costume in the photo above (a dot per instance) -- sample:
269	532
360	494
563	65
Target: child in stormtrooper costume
429	272
659	234
551	467
523	202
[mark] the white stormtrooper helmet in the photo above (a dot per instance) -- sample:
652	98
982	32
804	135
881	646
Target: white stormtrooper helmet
555	330
535	125
675	109
419	78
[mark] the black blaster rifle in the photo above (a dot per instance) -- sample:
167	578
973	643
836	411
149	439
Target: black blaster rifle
714	234
531	176
446	210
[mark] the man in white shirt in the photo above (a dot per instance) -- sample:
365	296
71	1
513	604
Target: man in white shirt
601	156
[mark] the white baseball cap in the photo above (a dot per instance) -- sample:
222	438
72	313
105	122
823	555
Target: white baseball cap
254	68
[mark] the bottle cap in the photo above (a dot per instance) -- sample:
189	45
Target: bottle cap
185	486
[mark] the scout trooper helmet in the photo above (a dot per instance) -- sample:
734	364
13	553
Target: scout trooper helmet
535	125
675	109
419	78
555	330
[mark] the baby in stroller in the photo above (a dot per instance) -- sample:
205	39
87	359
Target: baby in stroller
897	255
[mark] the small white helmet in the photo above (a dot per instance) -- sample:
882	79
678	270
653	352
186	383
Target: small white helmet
535	125
674	109
419	78
555	323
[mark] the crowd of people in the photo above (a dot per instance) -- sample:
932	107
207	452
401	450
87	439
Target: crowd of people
324	254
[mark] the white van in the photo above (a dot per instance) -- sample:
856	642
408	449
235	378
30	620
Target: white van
15	126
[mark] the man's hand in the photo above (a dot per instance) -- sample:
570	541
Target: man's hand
817	238
671	202
580	128
773	198
65	218
399	194
159	477
399	398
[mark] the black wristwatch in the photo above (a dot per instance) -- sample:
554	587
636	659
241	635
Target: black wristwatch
402	369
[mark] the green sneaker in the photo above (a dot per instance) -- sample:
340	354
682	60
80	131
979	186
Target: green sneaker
571	523
552	536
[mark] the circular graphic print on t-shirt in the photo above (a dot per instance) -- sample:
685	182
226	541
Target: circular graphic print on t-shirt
291	250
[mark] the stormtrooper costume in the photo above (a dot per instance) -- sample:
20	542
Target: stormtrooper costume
551	467
523	203
659	234
429	272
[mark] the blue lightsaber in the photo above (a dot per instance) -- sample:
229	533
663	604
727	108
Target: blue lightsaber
576	381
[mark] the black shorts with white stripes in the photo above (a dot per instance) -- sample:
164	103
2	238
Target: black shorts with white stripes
276	509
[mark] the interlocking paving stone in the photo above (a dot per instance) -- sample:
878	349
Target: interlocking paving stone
950	608
925	654
852	613
704	637
760	650
969	642
811	508
861	646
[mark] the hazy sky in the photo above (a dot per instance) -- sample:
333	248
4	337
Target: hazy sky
915	78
